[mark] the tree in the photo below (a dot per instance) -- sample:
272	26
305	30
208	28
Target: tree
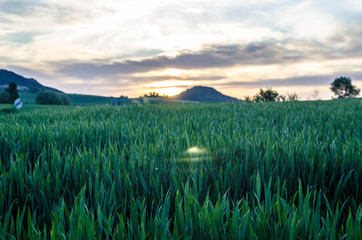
10	94
267	95
152	94
13	92
343	88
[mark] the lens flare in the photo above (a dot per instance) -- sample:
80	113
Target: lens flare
195	154
195	150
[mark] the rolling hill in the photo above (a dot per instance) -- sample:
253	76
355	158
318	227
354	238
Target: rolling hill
203	94
29	86
24	84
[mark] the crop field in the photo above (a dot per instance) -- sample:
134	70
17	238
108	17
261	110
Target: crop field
182	171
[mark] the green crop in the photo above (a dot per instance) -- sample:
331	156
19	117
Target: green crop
182	171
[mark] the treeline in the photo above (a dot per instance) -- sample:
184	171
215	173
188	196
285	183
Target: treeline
269	95
341	87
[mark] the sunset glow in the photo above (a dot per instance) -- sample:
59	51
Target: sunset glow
170	91
169	83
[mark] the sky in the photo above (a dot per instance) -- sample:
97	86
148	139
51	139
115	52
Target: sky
132	47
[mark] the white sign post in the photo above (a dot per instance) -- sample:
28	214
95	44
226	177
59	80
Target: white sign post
18	103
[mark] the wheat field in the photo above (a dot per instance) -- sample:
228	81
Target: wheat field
182	171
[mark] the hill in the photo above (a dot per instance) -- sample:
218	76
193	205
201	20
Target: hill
203	94
24	84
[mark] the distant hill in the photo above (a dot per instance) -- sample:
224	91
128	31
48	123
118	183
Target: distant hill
24	84
203	94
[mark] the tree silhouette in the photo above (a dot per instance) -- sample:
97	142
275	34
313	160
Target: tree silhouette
10	94
13	92
267	95
343	88
152	94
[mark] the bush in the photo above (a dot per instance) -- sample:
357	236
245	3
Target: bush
52	98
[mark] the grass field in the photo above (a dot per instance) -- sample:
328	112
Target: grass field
91	100
182	171
76	99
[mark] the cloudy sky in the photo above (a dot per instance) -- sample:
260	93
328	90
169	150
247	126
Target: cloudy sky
131	47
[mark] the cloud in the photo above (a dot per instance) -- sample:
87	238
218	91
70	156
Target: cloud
21	7
22	37
202	77
29	73
224	56
318	80
218	56
45	15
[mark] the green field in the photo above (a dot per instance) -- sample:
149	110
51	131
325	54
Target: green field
182	171
76	99
89	100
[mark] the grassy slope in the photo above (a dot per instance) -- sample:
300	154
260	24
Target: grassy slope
269	171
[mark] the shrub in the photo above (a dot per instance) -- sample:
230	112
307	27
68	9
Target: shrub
52	98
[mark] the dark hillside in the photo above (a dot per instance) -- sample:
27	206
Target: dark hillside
24	84
204	94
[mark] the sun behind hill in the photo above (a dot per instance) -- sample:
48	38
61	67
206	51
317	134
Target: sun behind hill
170	91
